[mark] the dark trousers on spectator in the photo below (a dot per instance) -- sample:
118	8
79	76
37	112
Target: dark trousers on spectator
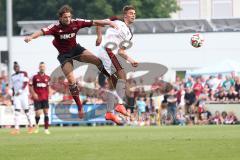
172	111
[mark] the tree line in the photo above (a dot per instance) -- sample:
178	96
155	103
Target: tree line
27	10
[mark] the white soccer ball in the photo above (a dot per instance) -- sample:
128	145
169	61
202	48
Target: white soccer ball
197	40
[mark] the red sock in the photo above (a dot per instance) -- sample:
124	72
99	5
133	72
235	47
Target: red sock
78	102
75	94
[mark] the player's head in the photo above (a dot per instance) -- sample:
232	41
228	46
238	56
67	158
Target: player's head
129	14
65	14
42	67
16	67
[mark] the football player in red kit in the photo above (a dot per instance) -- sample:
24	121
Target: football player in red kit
39	88
64	33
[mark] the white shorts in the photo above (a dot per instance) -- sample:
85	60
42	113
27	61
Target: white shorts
21	102
107	62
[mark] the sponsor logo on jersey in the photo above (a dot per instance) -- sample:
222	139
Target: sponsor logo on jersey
67	36
41	85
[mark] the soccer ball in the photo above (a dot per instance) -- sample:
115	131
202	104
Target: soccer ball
197	40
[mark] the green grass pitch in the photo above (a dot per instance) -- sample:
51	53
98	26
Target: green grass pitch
124	143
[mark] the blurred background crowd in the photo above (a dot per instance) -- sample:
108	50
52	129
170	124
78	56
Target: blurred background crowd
186	104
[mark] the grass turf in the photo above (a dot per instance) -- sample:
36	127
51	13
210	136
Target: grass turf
124	143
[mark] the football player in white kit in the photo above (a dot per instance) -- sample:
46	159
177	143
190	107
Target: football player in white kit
19	84
115	42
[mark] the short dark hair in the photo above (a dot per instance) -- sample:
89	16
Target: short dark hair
64	9
127	8
41	63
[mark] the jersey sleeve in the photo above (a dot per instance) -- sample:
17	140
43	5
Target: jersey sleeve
49	30
81	23
25	79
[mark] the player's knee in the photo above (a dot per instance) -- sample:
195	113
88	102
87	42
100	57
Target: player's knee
121	74
45	113
74	89
71	79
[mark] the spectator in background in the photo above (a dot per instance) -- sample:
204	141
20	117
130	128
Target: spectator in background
217	118
213	84
189	83
190	99
220	96
203	80
4	76
228	83
177	83
141	106
231	118
201	103
206	92
180	96
180	117
172	104
237	87
205	116
224	116
3	87
232	94
197	87
220	79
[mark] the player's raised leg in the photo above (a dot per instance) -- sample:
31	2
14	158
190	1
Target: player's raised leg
67	69
111	101
89	57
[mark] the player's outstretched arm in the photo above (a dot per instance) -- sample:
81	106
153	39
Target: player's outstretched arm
33	93
99	35
99	29
104	23
124	55
33	36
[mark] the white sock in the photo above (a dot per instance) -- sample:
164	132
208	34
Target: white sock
16	119
121	89
111	100
28	118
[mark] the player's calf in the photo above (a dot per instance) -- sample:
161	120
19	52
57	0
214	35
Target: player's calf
75	94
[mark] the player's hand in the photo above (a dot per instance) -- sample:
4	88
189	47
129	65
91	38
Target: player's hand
27	39
35	96
134	63
98	40
113	25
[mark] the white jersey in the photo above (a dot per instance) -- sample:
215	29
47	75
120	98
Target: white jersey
117	36
17	82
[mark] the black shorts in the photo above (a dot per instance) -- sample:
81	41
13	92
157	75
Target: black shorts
41	105
70	55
